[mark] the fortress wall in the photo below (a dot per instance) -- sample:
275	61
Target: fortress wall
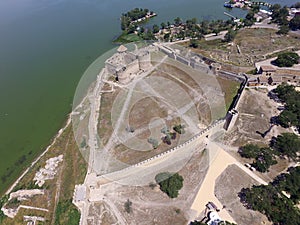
200	136
193	143
182	60
288	72
199	66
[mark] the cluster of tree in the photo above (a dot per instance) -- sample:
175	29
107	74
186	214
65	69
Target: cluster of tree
263	157
168	135
295	22
271	201
290	116
287	144
188	29
230	35
287	59
250	19
133	15
279	16
296	5
179	128
290	183
169	183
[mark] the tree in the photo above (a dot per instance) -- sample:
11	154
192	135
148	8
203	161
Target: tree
167	37
230	35
163	25
283	29
179	128
149	35
249	151
289	182
193	43
287	144
155	28
279	15
267	200
296	5
169	183
127	206
264	160
263	157
295	23
287	59
250	16
287	118
177	21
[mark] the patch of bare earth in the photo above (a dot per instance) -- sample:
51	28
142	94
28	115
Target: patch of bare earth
152	206
255	112
99	213
228	185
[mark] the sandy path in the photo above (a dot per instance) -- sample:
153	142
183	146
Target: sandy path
219	160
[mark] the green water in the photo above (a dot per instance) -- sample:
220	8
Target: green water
45	47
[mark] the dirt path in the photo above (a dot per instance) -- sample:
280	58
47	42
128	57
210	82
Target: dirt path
219	161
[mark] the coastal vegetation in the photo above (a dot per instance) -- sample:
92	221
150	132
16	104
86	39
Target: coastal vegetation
278	199
133	29
3	200
279	16
169	183
73	170
130	19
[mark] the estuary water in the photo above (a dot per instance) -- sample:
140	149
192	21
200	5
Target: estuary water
45	47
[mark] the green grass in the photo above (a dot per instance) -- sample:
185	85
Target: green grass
127	38
66	213
230	88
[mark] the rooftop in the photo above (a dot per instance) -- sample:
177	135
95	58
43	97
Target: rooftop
122	48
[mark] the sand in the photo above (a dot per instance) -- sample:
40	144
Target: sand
219	161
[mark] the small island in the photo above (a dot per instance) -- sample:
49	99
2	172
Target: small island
130	23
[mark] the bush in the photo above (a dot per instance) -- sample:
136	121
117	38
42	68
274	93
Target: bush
287	144
287	59
169	183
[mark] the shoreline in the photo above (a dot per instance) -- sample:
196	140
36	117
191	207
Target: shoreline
52	142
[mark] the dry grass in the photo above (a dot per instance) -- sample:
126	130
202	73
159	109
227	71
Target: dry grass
152	206
105	124
255	45
228	185
255	112
73	170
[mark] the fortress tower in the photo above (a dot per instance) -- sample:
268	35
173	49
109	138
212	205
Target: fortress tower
125	65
